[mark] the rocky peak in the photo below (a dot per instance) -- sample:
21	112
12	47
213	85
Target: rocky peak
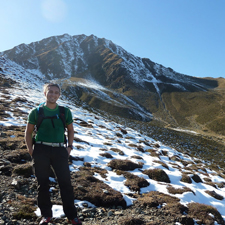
84	56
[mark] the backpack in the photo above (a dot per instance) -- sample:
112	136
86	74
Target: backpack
41	117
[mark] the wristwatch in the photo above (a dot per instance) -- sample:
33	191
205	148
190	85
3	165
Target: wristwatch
70	146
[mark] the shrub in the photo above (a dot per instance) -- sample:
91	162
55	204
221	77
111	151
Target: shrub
153	152
133	145
196	178
140	149
220	185
91	170
206	179
185	178
211	184
117	150
174	191
214	195
25	208
176	208
134	182
87	164
202	212
94	190
163	164
175	158
136	157
119	135
131	221
164	152
155	198
157	174
106	154
25	170
18	156
25	212
185	163
100	171
120	164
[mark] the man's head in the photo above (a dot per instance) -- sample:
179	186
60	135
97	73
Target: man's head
46	86
52	93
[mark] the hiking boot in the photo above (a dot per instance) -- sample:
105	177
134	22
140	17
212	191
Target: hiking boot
75	221
45	220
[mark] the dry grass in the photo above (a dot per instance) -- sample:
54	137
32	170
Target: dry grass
211	184
136	157
164	152
174	191
89	188
185	178
155	198
214	195
196	178
25	208
220	184
106	155
133	145
25	170
92	170
153	152
157	174
206	179
162	163
202	212
18	156
123	165
176	209
133	182
117	150
130	220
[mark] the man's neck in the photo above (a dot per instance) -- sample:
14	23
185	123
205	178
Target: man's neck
51	105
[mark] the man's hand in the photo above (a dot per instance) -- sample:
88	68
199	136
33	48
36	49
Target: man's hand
31	151
68	150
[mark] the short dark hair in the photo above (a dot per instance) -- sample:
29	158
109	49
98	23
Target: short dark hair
51	85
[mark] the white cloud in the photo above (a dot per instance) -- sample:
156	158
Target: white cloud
54	10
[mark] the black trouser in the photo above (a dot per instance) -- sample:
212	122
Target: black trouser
44	157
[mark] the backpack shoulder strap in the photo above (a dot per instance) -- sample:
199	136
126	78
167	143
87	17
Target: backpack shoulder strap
41	116
62	115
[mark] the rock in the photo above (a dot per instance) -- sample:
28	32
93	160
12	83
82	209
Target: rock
110	213
15	184
118	213
3	134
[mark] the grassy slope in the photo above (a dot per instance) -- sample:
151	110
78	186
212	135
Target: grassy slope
202	112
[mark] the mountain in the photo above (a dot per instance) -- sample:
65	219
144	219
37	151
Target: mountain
103	75
119	175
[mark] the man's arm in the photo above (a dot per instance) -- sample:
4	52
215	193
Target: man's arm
70	132
28	137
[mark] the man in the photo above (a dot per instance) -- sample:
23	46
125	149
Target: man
49	150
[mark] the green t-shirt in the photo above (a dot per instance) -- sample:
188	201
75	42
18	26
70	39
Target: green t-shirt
46	131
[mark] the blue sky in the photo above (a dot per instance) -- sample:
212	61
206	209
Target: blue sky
186	35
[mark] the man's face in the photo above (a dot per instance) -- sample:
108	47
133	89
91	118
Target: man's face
52	94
